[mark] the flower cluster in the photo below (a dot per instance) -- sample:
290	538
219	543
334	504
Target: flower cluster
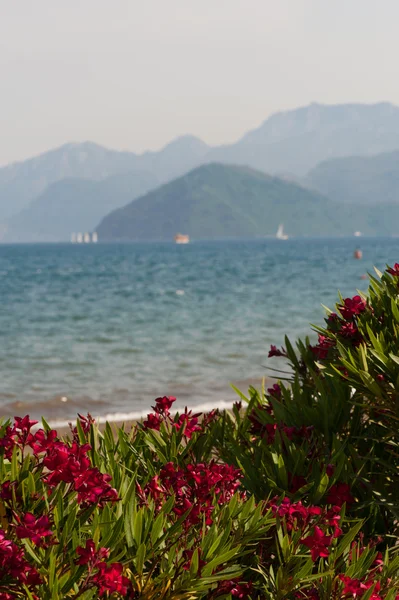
195	488
15	568
108	578
187	423
57	466
71	464
308	519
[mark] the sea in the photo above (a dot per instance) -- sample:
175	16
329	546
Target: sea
107	328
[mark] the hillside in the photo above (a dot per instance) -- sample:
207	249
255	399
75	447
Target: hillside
21	182
220	201
359	179
72	205
295	141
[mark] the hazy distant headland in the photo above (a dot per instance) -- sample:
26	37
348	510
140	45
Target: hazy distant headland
311	169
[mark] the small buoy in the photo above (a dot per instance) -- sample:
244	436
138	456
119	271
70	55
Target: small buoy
363	276
357	254
180	292
64	399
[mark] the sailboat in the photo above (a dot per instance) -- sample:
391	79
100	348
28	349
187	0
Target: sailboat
280	235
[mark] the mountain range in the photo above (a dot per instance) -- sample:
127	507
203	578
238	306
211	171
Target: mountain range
349	153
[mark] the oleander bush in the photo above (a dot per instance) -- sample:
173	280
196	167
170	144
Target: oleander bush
291	495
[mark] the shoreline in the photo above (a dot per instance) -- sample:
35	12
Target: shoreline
119	417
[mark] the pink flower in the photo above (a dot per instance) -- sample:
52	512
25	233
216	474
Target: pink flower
330	470
274	351
394	271
22	427
235	588
354	587
41	441
188	423
152	422
34	529
85	423
275	391
163	404
352	307
338	494
195	488
318	543
24	424
322	349
93	487
351	332
109	579
89	554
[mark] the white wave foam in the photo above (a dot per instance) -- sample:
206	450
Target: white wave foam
121	417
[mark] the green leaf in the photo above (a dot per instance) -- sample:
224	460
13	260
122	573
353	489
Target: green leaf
348	538
321	488
157	528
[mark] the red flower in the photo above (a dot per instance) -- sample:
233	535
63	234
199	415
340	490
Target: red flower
395	271
274	351
40	441
338	494
188	555
351	332
352	306
8	442
355	587
110	579
321	350
312	594
236	589
194	488
187	422
93	487
297	481
34	529
275	391
163	404
152	422
318	543
89	554
23	424
85	423
296	515
330	469
22	427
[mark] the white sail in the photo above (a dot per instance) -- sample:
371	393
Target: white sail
73	238
94	237
280	235
86	238
79	238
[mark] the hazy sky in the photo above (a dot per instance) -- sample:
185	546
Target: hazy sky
133	74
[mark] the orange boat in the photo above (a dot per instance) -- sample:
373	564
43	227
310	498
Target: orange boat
180	238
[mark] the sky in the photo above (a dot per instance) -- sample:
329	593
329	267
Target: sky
134	74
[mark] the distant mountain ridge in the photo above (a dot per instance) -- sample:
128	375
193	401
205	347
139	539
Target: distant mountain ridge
291	143
295	141
22	182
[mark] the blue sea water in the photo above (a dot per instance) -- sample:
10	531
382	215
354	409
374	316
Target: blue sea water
107	328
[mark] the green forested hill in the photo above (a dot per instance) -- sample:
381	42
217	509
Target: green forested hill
221	201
